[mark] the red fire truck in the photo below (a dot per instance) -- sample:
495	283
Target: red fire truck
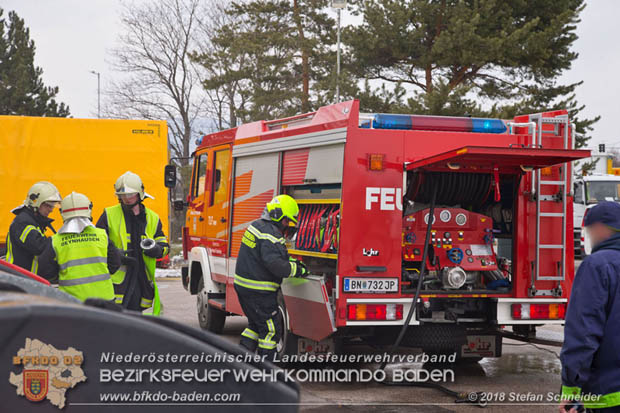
499	249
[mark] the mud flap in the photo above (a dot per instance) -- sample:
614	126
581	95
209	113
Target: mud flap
309	311
482	345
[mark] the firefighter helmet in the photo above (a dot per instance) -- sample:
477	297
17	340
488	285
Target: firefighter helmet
42	192
76	205
130	183
283	206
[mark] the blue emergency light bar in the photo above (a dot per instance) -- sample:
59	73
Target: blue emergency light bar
435	123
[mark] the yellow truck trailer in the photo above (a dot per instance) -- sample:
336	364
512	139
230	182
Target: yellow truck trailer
82	155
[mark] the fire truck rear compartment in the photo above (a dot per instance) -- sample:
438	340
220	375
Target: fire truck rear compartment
472	235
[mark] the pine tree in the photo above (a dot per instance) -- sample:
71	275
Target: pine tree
281	55
22	91
457	57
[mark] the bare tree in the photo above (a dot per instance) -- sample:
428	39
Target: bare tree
158	80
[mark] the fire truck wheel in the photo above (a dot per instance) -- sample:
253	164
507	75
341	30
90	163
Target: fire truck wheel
209	318
288	340
436	338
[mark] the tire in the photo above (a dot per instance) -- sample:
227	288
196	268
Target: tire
436	338
209	318
288	340
441	339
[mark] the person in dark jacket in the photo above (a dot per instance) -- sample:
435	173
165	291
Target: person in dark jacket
137	231
26	239
262	264
591	352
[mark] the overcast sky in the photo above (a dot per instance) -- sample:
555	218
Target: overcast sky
73	37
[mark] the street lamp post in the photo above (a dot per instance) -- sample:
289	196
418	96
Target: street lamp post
98	92
338	5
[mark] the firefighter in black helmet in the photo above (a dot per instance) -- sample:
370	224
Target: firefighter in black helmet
262	264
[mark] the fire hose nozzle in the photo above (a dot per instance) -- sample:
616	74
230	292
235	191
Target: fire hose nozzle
147	244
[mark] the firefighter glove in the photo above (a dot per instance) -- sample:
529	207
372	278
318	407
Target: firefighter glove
301	270
126	260
155	251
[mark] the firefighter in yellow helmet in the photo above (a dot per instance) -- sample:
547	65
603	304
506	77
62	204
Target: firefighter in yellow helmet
136	230
26	239
262	264
81	256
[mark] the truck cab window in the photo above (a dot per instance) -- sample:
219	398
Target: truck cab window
602	191
200	173
220	177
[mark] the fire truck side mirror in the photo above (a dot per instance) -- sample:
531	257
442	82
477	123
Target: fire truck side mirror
170	176
178	205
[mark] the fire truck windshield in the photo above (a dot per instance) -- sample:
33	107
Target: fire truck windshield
602	191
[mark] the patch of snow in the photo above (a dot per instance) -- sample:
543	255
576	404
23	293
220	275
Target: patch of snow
167	272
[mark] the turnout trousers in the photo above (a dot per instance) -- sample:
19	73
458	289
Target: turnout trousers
263	332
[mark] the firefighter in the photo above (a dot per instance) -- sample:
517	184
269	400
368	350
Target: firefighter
81	257
590	356
26	239
137	231
262	263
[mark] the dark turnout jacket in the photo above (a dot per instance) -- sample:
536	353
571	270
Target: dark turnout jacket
263	259
591	352
26	239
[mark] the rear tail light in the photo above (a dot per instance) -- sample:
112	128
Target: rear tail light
374	312
583	220
539	311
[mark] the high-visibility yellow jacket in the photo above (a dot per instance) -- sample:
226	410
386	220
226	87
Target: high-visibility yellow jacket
82	262
117	230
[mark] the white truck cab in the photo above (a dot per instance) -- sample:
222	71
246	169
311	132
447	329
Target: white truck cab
588	191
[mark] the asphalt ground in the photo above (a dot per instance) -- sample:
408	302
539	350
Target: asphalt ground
526	377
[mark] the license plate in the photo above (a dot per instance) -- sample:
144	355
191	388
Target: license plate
371	285
305	345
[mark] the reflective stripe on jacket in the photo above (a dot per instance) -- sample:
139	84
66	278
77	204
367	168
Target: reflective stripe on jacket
263	258
117	230
26	240
591	351
82	262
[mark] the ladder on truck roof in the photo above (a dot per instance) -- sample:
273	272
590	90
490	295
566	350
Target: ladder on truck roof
541	200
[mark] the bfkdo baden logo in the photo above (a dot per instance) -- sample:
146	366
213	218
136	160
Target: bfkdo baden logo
47	372
35	384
